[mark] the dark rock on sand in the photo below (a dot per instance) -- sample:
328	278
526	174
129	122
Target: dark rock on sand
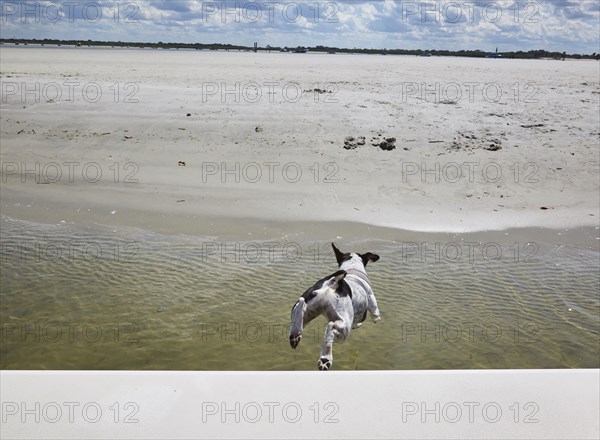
388	145
350	143
319	91
493	147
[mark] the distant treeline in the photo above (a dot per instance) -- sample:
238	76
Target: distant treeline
532	54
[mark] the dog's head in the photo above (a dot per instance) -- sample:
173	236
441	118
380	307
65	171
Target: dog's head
353	259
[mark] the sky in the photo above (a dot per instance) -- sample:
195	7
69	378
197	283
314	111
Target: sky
571	26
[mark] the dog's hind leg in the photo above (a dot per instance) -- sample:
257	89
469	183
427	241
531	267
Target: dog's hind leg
326	358
297	323
335	330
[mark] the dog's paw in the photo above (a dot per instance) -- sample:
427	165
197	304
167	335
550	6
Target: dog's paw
324	364
376	319
295	340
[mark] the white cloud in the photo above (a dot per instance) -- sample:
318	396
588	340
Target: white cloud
563	25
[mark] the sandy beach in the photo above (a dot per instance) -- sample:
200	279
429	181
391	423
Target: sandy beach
137	185
481	144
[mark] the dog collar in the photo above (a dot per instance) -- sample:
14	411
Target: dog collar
359	274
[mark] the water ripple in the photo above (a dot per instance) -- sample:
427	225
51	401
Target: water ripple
131	299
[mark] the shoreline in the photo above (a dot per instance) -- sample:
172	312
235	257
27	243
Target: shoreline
240	213
223	229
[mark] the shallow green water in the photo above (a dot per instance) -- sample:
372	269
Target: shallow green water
131	299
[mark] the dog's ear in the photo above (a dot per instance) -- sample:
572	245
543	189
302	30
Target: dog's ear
334	280
369	257
339	256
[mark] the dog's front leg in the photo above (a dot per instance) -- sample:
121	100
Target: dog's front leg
297	323
372	306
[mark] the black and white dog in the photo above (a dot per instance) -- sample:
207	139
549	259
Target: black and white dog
344	297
